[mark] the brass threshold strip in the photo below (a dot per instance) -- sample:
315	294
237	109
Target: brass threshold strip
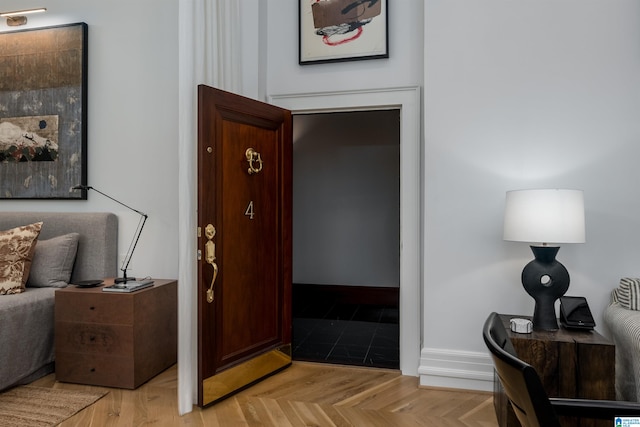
234	379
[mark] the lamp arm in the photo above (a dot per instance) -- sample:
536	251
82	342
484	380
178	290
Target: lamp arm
88	187
134	243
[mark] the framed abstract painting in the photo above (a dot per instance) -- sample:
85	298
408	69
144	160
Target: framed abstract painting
342	30
43	112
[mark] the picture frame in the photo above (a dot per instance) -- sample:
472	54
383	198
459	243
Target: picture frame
342	30
43	112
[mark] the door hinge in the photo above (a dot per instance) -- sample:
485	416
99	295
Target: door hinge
199	232
199	255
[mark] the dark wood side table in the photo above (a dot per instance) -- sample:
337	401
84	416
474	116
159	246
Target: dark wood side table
574	364
115	339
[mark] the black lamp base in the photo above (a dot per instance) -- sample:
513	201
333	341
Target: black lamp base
546	280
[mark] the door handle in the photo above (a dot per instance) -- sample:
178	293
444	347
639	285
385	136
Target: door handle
253	156
210	258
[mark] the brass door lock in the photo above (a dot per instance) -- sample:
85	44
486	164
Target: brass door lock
210	258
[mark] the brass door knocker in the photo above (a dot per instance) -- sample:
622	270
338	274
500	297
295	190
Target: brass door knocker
253	156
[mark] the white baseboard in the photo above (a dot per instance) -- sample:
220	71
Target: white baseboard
455	369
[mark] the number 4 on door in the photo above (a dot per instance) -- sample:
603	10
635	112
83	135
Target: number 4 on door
249	211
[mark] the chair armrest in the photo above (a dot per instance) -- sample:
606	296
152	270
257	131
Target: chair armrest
598	409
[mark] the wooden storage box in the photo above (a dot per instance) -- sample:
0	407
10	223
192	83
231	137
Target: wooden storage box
115	339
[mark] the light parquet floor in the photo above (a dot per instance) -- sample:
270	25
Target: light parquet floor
305	394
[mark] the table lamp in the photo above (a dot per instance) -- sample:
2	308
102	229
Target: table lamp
545	218
132	247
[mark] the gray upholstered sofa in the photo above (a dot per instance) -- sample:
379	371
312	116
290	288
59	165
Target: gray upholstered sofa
622	318
26	319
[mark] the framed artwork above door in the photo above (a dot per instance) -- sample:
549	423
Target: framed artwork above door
342	30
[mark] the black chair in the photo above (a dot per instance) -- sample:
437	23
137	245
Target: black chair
530	402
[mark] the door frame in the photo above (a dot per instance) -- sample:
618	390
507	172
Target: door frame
407	101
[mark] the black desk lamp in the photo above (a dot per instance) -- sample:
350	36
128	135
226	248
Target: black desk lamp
127	259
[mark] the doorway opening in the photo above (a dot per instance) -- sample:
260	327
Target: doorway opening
407	100
346	237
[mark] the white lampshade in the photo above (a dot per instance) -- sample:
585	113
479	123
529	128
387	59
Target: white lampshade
544	216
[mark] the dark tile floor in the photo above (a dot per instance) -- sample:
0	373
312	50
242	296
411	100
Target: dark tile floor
350	334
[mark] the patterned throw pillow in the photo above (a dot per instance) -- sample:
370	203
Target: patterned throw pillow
628	293
16	252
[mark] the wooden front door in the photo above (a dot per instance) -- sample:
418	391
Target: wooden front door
244	242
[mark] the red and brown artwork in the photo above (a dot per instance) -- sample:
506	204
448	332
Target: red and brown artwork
339	30
342	21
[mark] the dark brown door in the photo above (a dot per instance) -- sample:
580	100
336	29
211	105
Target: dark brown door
244	242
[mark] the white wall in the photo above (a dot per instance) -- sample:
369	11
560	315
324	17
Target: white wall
132	120
516	95
346	198
526	94
403	68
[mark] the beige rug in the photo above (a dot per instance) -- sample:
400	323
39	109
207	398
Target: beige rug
29	406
